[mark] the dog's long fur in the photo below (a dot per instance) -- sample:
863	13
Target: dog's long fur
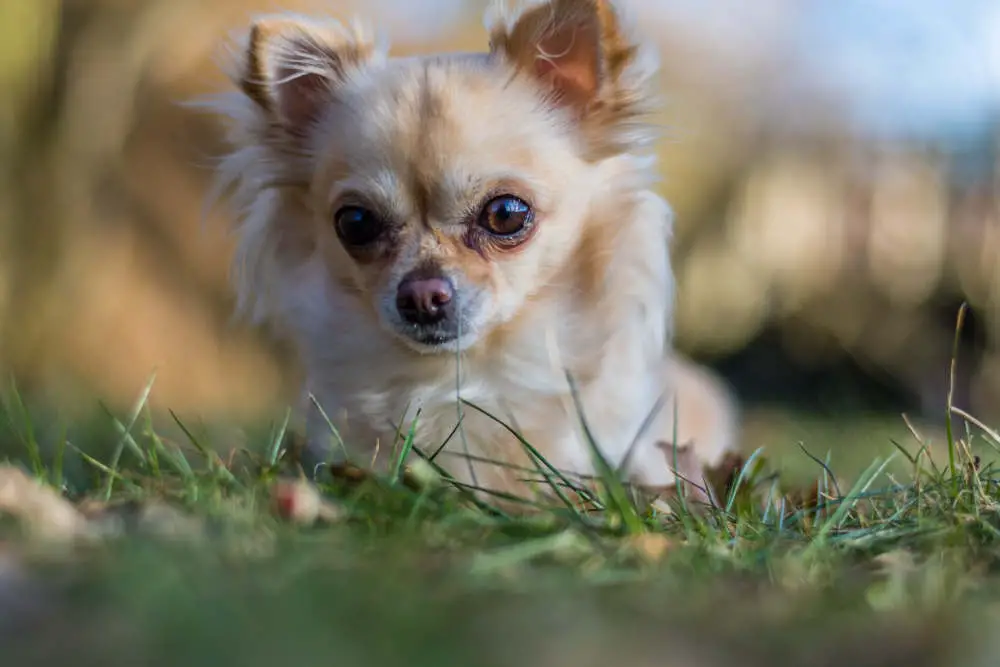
555	113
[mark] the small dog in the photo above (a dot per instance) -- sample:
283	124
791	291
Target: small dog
468	245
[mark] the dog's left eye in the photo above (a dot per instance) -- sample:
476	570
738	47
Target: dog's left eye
505	216
358	226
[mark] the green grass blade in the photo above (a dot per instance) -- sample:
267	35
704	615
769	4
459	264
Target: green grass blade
621	504
847	503
123	439
404	452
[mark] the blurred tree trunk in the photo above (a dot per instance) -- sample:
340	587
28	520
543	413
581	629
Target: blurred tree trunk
29	35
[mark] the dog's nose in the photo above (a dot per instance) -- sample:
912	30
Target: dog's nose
424	301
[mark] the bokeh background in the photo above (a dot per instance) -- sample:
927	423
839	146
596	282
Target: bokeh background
833	165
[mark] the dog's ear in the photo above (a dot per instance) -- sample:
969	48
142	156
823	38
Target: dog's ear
292	66
576	48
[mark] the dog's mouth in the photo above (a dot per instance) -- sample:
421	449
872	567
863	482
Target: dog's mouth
426	340
434	338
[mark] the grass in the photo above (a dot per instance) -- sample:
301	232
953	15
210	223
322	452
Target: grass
892	565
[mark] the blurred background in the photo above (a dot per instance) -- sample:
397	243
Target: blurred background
833	165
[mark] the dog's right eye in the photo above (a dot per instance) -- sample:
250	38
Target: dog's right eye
358	226
505	216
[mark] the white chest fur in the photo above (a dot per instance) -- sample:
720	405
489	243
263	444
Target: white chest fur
372	389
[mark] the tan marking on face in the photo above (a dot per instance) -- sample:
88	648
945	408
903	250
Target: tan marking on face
596	247
473	267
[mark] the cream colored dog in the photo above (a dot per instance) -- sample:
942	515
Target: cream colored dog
475	226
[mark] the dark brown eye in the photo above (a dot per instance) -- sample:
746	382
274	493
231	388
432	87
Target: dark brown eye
357	226
505	216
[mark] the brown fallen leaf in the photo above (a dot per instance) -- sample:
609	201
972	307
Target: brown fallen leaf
417	476
300	502
722	478
39	509
805	500
651	547
349	474
683	461
151	518
420	475
704	485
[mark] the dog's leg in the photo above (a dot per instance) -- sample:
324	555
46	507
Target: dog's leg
700	418
333	439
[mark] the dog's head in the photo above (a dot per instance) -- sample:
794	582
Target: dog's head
441	193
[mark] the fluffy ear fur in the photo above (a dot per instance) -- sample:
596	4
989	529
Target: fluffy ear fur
584	60
287	68
292	66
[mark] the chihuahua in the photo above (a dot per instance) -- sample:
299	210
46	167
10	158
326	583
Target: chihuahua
467	248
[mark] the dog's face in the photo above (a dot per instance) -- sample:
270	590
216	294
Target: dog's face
447	194
442	193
